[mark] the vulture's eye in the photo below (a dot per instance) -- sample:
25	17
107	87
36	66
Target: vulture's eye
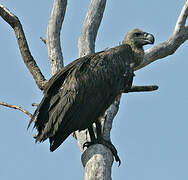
138	34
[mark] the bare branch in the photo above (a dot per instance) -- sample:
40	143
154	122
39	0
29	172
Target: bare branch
16	107
14	22
179	36
53	35
107	119
90	28
143	88
182	19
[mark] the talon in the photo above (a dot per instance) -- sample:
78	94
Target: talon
117	159
87	144
108	144
112	148
115	154
84	145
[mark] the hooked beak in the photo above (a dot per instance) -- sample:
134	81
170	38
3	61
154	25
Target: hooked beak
149	38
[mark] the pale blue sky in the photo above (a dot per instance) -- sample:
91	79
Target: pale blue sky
150	130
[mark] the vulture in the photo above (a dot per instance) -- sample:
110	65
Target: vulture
77	95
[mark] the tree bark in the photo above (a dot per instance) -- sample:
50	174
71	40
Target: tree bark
53	35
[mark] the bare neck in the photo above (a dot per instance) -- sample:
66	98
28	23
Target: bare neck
138	53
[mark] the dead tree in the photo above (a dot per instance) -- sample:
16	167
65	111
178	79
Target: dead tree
97	160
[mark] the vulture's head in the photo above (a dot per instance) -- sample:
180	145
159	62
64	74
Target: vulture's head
137	38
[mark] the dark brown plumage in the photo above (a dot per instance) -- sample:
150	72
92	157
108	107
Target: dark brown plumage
81	92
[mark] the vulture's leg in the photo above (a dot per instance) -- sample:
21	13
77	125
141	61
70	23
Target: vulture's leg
91	133
92	137
106	143
100	140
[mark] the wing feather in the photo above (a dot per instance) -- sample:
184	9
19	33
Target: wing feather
78	94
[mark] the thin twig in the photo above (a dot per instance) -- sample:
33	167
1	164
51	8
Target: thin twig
16	107
43	40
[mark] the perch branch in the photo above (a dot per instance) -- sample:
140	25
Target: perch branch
53	35
178	37
14	22
16	107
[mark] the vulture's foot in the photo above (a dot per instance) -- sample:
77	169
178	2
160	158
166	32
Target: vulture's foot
107	144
